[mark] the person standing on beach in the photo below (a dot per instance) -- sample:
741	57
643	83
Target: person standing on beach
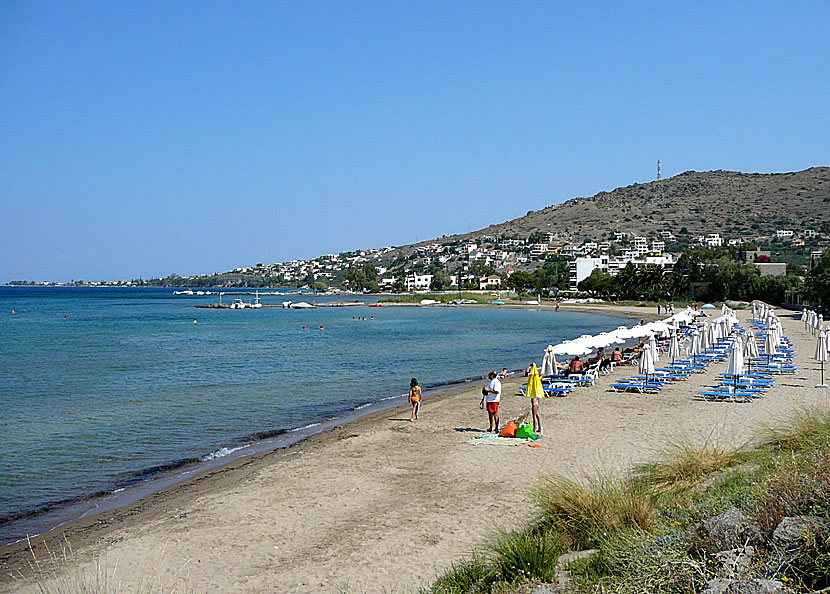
492	398
414	398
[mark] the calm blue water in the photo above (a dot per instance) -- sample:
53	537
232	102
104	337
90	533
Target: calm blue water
127	383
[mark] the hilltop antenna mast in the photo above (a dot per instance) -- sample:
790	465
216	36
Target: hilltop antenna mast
658	169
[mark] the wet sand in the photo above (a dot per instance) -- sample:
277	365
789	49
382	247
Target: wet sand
383	505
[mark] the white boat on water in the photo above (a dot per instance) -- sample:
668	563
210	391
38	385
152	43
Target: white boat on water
256	304
185	292
301	305
239	304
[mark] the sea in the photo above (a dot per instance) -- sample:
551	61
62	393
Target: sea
107	394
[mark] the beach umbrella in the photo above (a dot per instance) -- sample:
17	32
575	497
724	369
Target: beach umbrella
570	347
750	349
534	384
652	345
646	362
770	344
713	334
694	348
705	343
708	306
674	347
735	366
549	362
821	354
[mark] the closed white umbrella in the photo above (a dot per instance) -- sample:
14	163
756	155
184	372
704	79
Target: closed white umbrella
704	338
821	354
646	362
713	334
548	362
674	347
694	347
770	344
735	367
750	349
652	345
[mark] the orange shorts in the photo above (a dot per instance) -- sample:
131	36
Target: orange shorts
492	407
415	400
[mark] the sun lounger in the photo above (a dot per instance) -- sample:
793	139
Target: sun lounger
640	387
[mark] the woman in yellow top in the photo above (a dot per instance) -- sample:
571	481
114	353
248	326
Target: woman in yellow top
414	398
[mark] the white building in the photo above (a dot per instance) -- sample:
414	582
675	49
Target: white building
810	233
510	243
713	240
619	236
581	268
641	246
466	248
783	233
589	247
539	249
658	246
418	282
489	282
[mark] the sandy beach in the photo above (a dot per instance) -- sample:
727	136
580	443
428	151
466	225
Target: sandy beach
384	505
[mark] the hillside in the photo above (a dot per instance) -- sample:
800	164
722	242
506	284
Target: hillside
734	204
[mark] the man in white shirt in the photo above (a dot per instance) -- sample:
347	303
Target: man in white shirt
492	398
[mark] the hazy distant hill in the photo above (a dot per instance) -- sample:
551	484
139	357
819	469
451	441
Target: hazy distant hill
731	203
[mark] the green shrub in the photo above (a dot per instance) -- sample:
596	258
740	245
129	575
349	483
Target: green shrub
632	562
471	576
527	555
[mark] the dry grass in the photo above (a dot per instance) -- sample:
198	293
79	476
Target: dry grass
807	429
604	504
684	464
61	572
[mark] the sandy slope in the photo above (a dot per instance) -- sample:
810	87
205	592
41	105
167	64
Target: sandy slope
382	504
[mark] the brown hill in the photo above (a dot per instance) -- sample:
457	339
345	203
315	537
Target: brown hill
734	204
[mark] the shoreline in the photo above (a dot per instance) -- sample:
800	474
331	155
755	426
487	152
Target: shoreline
150	499
151	481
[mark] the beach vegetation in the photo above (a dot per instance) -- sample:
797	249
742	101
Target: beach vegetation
685	463
646	530
584	512
63	572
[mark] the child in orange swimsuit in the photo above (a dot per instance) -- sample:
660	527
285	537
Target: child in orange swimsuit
414	398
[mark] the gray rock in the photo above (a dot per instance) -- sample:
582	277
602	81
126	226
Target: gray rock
754	586
735	563
575	556
729	530
542	589
790	532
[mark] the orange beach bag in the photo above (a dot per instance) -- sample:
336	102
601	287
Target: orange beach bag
509	430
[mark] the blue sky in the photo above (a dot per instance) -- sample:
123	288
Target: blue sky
141	139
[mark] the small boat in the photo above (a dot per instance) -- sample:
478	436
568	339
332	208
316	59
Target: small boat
238	304
185	292
497	302
256	304
301	305
377	305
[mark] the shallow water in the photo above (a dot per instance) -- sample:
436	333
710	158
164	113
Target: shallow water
127	385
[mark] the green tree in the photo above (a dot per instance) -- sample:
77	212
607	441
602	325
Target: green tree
441	281
599	283
520	281
818	280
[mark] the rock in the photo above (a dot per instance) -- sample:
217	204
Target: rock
542	589
754	586
729	530
575	556
790	532
735	563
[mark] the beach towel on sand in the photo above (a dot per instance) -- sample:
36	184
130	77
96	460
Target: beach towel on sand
494	439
